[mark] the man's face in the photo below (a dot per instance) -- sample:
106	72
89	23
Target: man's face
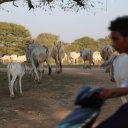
119	42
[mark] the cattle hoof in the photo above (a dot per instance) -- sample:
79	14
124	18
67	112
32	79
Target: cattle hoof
12	97
39	82
112	80
57	71
21	94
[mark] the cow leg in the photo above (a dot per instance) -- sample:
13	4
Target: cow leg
9	76
49	67
9	81
35	70
84	65
11	86
50	70
60	63
90	64
57	66
15	86
20	85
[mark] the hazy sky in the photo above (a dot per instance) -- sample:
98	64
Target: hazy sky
68	25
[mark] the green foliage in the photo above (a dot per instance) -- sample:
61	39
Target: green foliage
104	41
87	43
77	45
13	38
47	39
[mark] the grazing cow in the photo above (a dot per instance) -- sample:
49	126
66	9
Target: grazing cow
87	55
16	70
5	59
38	54
73	57
57	54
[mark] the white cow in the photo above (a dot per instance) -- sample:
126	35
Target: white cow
37	56
29	48
106	52
86	55
13	58
65	58
16	70
57	54
73	57
21	58
96	57
5	59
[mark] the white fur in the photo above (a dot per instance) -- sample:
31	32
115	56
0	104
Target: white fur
14	71
73	57
37	56
96	57
87	55
106	52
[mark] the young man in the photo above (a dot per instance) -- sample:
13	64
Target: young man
119	36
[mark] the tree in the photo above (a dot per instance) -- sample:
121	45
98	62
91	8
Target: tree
87	43
47	39
64	4
13	38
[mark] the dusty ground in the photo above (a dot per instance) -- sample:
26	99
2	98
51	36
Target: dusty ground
46	104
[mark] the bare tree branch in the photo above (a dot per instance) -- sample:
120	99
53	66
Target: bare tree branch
14	3
65	5
79	2
4	1
30	4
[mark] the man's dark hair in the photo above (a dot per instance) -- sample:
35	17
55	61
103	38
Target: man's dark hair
120	24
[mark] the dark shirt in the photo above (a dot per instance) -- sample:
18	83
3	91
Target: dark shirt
118	120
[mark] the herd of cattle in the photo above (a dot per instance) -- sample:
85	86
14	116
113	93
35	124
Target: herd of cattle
36	55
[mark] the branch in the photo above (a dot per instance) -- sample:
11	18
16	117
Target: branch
79	2
30	5
49	1
3	1
14	3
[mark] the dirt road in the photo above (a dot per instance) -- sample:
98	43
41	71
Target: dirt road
46	104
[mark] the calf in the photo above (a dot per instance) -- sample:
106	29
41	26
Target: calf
16	70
